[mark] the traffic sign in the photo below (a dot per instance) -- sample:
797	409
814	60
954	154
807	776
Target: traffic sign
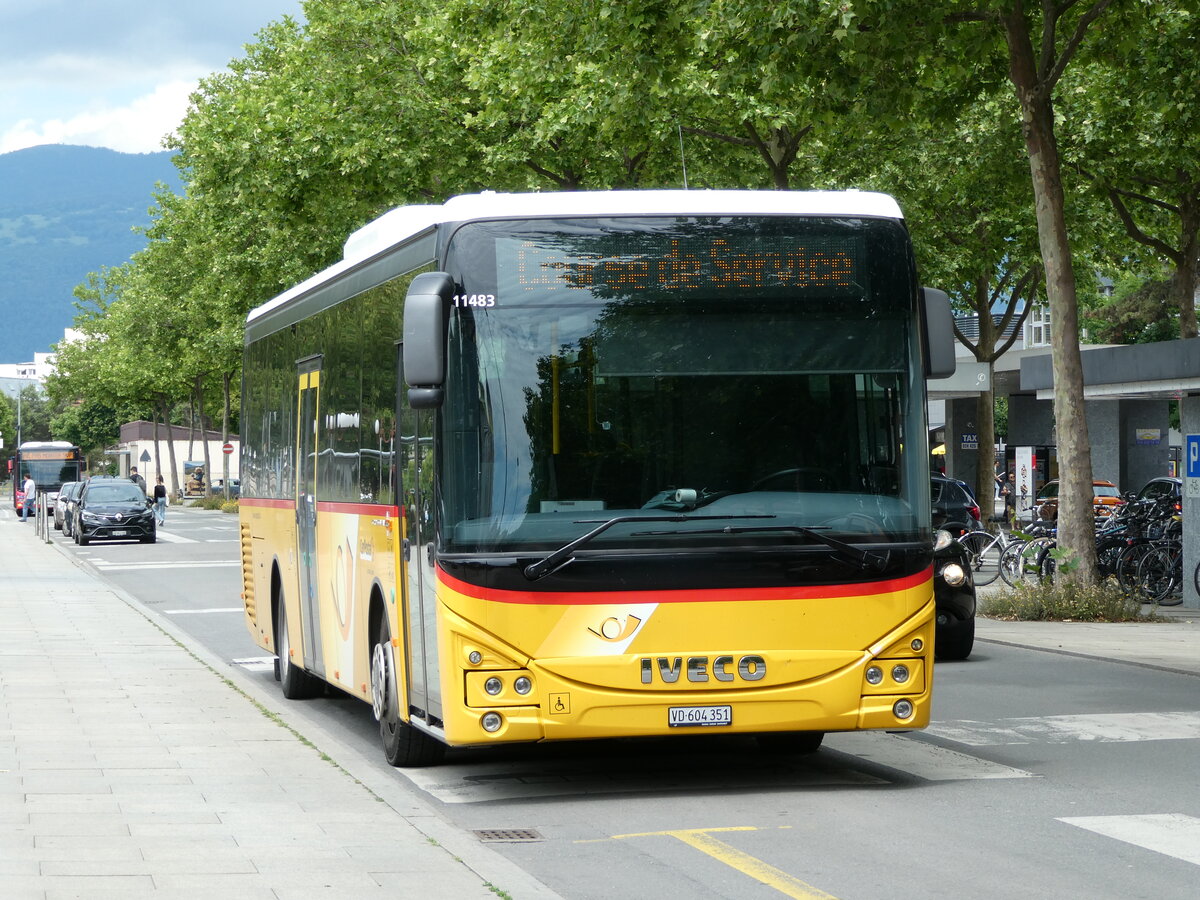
1193	456
227	448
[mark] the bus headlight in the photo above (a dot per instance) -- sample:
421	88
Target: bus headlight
900	673
874	675
493	685
522	685
902	709
491	722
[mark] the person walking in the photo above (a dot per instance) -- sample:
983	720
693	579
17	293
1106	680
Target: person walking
29	488
160	501
137	479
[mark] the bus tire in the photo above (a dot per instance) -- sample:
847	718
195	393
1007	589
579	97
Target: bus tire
403	745
296	683
790	742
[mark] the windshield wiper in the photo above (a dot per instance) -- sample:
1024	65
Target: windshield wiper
867	559
564	554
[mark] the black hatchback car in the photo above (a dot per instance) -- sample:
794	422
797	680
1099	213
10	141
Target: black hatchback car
112	509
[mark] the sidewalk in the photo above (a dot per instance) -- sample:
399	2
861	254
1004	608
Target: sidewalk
132	766
1173	645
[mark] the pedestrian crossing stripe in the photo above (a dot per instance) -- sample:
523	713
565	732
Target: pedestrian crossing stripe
1099	728
1171	834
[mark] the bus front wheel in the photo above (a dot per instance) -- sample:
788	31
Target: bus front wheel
295	682
403	745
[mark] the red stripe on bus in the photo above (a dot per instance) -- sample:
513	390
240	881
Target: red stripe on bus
268	503
596	598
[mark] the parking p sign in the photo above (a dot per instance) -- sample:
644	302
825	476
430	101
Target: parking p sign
1191	460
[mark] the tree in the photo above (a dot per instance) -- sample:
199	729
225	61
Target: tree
1137	122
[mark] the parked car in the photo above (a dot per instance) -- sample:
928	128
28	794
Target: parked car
235	487
62	504
1106	498
953	505
1164	486
112	509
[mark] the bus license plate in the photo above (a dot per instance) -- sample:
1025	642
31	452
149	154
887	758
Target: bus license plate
699	716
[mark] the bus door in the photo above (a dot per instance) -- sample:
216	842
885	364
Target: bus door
419	577
307	409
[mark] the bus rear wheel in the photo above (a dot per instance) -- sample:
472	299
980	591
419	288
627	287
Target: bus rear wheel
403	745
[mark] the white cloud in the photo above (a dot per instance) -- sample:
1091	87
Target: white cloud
138	127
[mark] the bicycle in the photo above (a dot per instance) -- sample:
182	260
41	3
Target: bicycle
985	550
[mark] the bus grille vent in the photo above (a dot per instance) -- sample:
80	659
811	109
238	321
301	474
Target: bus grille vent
248	574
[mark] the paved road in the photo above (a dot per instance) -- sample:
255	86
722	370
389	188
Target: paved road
1065	772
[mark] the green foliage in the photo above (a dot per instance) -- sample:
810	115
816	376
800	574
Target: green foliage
1064	600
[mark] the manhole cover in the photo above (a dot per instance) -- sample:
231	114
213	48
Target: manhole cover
508	835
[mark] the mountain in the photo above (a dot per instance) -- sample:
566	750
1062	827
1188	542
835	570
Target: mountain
64	212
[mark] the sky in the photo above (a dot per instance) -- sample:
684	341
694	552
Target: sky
115	73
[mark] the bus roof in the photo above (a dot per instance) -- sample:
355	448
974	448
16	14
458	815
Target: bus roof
404	222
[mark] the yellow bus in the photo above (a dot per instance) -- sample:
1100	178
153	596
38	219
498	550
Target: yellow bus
566	466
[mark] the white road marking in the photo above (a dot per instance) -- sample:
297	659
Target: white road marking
1172	834
1102	727
171	538
109	566
928	761
256	663
196	612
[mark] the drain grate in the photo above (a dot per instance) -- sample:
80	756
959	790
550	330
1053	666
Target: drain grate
508	835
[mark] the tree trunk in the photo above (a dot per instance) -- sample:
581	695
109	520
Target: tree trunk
203	437
1076	528
226	380
165	409
1183	282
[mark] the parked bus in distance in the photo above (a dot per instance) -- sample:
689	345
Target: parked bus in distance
51	463
567	466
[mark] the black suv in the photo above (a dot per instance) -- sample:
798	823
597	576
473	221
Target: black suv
112	509
953	506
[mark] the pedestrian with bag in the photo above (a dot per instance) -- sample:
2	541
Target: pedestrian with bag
137	479
160	501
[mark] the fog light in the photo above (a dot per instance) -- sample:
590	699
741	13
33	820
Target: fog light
522	685
953	574
493	685
475	657
900	674
901	709
874	675
917	644
491	722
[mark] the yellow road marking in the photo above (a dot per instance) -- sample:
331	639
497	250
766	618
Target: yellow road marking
702	840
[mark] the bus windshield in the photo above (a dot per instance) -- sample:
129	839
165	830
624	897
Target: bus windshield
728	379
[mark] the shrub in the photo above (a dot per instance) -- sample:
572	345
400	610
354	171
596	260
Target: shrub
214	502
230	507
1066	600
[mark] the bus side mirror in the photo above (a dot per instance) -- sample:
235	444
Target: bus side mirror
425	313
939	334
